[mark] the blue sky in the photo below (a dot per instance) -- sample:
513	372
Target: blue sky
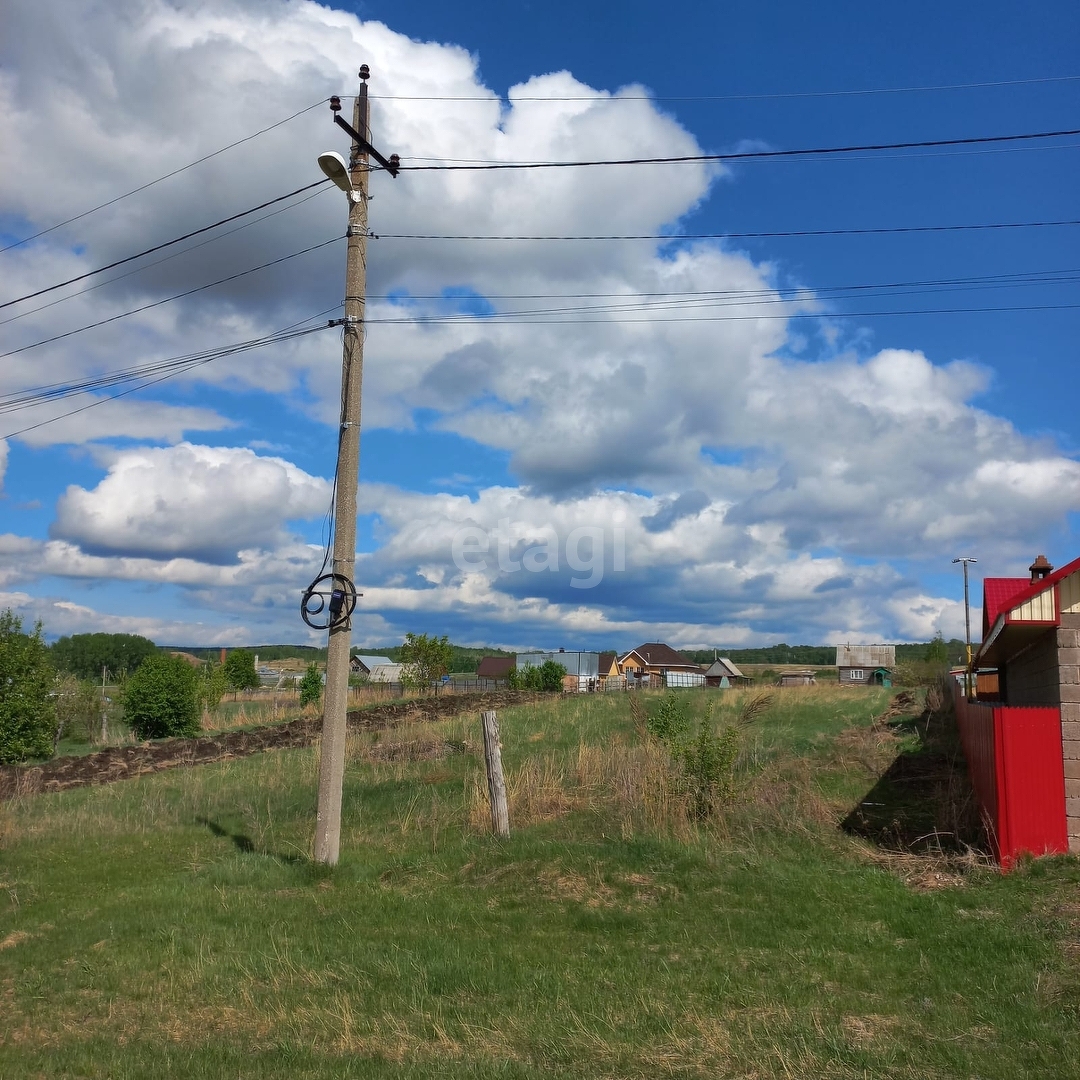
802	477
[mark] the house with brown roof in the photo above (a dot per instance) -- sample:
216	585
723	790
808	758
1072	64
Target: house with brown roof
608	667
659	664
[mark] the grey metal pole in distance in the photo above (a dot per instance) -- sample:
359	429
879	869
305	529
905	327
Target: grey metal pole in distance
336	700
965	559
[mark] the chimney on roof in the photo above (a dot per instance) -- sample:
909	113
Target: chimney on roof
1040	568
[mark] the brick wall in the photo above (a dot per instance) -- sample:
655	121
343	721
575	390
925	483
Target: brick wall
1032	678
1068	654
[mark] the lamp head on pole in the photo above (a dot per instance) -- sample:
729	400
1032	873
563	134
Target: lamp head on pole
333	165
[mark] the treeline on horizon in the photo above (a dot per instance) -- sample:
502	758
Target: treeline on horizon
466	660
86	655
822	655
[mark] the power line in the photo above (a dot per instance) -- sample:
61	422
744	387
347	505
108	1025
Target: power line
159	247
161	371
669	237
732	97
740	297
158	262
519	319
32	396
175	296
747	155
167	176
735	235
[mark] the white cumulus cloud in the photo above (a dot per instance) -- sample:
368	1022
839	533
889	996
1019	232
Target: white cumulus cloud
206	503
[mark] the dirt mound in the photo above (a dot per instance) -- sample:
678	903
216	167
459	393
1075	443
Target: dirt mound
124	762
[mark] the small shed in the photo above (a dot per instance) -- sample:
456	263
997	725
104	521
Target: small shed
724	673
385	673
865	665
796	678
364	665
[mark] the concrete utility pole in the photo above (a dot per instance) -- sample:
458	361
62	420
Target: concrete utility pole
965	559
336	699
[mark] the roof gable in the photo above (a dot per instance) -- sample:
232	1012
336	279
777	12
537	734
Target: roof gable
657	654
998	593
1033	589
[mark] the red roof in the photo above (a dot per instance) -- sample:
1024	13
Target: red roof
1031	590
998	593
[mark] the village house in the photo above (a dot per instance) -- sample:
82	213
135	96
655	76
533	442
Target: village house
865	665
608	665
380	669
362	665
657	664
1023	744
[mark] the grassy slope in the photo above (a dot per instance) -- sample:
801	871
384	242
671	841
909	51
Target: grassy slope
173	925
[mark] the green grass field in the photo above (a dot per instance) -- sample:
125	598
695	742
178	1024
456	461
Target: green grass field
175	926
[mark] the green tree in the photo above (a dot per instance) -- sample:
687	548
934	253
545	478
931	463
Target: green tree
212	686
311	686
27	712
240	670
424	659
937	652
161	698
85	655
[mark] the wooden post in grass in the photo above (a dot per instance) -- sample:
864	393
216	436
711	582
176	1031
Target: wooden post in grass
500	815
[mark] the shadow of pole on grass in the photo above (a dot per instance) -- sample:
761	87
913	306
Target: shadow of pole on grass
923	804
244	843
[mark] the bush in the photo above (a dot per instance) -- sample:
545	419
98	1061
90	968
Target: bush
79	707
703	764
162	698
548	677
708	765
671	720
27	712
311	686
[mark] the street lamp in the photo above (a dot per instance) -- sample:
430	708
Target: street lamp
333	165
965	559
352	178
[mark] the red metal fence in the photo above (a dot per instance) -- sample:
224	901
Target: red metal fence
1014	758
